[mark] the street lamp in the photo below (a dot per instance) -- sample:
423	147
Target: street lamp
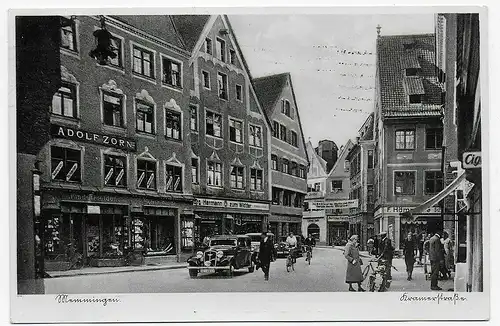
104	50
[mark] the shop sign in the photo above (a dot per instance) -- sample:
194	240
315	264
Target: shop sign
402	209
230	204
92	209
471	160
337	204
338	218
64	132
313	221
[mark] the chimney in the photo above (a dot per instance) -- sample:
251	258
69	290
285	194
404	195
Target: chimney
378	30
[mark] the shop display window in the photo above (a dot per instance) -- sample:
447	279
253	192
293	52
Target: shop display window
159	235
137	234
187	228
112	235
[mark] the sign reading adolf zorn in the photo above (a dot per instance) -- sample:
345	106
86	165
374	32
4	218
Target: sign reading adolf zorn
57	131
338	204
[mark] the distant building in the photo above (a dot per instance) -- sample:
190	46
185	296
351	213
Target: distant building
330	226
289	159
328	150
361	159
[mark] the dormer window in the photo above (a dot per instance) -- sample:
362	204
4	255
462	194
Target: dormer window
415	99
411	71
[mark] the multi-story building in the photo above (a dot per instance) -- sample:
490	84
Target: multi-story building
409	134
229	133
116	172
327	211
289	158
361	159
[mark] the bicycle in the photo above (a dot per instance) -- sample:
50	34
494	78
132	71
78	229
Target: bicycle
290	260
377	276
308	254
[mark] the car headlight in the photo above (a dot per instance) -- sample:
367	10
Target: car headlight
220	254
199	254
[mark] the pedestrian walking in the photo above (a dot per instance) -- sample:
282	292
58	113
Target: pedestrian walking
449	257
265	254
370	244
421	241
354	262
387	254
436	257
409	254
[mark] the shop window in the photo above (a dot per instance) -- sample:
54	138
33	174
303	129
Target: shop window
239	93
187	232
159	235
113	109
214	175
137	233
222	85
213	125
433	182
193	122
404	183
236	177
274	162
64	101
112	236
53	242
93	238
221	50
283	133
255	136
433	138
65	164
206	79
115	171
173	125
276	129
68	34
194	171
172	73
405	139
145	117
146	174
256	179
208	46
293	139
235	131
173	178
143	62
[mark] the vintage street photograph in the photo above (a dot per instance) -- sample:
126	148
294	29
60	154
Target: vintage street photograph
229	152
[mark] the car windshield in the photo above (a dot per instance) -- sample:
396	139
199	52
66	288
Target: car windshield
223	242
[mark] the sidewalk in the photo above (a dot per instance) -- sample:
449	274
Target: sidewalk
111	270
418	283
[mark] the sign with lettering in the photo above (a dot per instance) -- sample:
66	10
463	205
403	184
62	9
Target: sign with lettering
338	218
230	204
337	204
471	160
402	209
64	132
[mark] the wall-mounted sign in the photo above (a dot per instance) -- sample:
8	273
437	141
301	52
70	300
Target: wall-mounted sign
471	160
338	218
337	204
57	131
230	204
91	209
402	209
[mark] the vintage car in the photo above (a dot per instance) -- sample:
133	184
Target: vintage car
225	253
256	237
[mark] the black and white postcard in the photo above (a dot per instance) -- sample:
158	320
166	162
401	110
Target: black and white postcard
257	164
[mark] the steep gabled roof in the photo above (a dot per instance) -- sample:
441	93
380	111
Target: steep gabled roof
269	89
367	128
312	154
160	26
395	54
345	150
190	28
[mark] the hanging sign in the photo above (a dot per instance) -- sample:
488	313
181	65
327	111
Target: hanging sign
471	160
337	204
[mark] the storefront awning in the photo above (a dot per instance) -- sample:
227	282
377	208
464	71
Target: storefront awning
436	199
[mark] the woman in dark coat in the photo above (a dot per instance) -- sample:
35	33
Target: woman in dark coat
409	253
353	272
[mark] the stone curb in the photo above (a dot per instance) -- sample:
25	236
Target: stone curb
144	269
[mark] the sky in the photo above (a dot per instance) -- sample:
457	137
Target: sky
333	82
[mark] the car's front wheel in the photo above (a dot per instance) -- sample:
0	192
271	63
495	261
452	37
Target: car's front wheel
193	273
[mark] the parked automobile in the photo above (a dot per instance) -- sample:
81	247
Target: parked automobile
225	253
256	237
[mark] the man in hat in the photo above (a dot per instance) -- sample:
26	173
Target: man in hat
436	256
386	253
